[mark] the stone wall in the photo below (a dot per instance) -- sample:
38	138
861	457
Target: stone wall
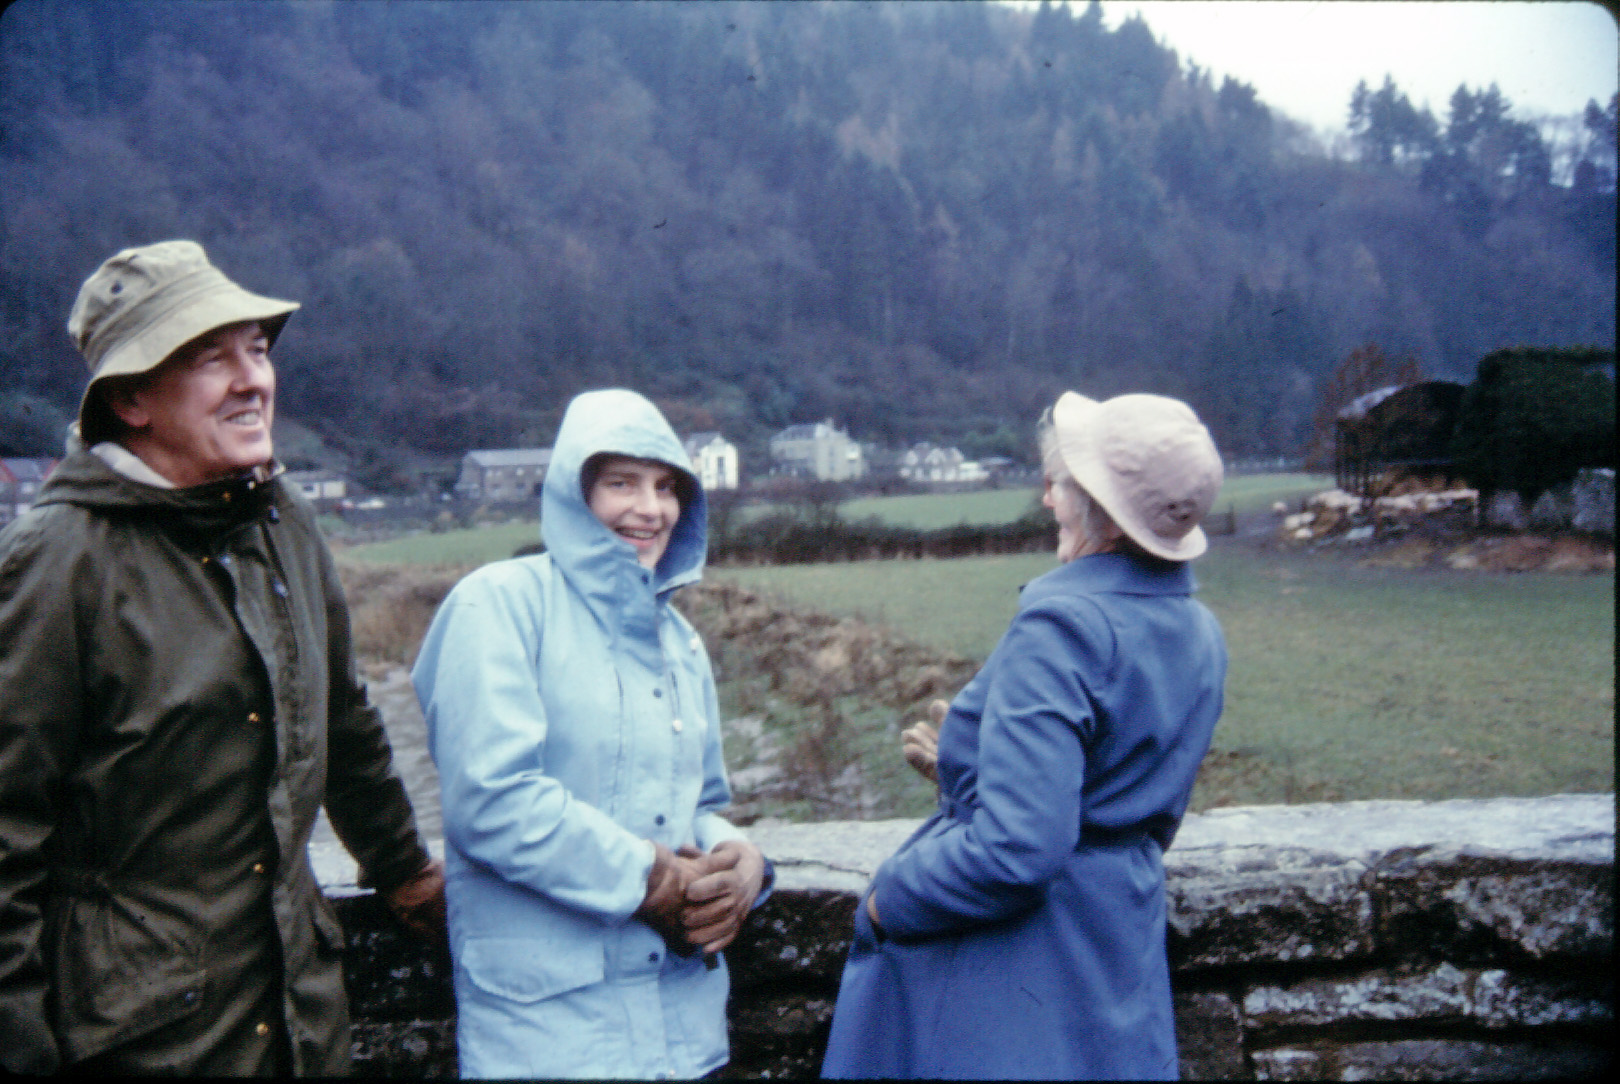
1365	940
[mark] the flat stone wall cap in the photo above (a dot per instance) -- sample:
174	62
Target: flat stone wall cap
1569	827
842	855
337	873
833	855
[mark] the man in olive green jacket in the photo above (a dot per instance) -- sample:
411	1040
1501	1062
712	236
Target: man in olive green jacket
178	698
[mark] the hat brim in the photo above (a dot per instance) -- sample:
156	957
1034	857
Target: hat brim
227	303
1074	422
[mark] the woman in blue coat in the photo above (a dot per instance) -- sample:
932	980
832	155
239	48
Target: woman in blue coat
571	713
1019	933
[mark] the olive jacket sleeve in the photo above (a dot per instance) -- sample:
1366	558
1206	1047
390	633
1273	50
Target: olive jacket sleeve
39	713
365	799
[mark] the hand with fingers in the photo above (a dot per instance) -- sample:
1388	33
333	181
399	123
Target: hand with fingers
418	903
718	900
664	905
920	742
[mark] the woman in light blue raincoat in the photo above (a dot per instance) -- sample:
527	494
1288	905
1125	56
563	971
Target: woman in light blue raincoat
1020	932
571	713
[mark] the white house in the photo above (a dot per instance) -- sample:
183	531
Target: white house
820	450
924	462
715	460
319	487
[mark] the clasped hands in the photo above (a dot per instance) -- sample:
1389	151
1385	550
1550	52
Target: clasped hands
698	901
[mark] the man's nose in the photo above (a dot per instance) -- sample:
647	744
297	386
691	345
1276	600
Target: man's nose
252	373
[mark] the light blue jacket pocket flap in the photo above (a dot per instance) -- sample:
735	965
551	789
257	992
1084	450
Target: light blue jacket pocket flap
526	970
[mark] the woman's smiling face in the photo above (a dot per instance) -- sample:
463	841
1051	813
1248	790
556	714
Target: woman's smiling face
636	500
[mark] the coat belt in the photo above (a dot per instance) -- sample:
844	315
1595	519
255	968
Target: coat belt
1091	835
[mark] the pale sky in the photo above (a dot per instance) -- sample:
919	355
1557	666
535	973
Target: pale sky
1304	57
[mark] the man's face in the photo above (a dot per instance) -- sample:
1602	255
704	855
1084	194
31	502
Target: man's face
205	413
636	500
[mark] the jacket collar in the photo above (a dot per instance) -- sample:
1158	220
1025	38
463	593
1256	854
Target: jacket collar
1120	574
88	481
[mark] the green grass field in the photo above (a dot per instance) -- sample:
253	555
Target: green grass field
931	511
926	511
1257	492
1345	682
476	546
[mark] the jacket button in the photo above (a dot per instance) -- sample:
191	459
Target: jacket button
658	692
253	717
677	725
258	867
262	1028
659	819
652	957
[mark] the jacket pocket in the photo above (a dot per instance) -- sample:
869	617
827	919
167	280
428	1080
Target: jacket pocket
526	970
122	970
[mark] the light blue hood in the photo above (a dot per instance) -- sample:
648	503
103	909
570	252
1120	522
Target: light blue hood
589	555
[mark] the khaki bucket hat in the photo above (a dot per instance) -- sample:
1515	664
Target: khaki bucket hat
1148	461
146	302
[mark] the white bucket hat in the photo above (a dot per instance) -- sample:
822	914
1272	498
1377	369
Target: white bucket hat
1148	461
145	303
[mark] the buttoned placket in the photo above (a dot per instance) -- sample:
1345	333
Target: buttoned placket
667	677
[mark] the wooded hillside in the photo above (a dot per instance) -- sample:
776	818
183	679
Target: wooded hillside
920	220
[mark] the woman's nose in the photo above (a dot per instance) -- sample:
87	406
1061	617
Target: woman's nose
646	502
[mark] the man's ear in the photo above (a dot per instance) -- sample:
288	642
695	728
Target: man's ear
124	400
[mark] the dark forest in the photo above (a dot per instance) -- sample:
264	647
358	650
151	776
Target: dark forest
920	220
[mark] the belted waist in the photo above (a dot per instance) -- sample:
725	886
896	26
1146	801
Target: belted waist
1091	835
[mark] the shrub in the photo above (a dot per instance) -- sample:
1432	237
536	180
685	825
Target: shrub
1532	418
785	538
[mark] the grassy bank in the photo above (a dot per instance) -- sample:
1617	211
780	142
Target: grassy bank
1346	682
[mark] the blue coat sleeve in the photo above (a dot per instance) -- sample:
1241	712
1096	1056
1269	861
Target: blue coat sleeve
1031	766
487	727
